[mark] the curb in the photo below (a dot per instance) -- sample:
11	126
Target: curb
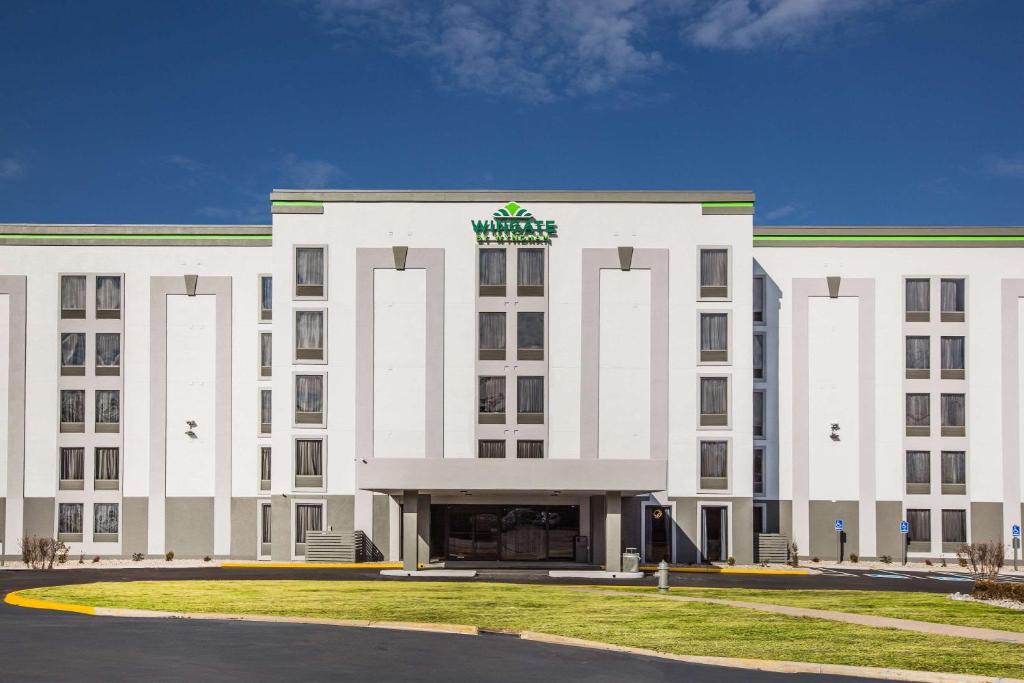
312	565
727	570
14	598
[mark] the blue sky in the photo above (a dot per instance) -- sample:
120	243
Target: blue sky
833	111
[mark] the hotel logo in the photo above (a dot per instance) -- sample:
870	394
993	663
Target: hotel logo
513	223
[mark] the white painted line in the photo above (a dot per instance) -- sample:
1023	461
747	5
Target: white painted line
888	576
835	572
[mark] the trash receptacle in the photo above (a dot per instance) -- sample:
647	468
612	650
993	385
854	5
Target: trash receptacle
582	545
631	560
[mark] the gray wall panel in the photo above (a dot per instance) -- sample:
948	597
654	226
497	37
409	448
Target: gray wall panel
39	520
281	529
888	539
189	526
986	522
243	528
381	529
688	532
823	515
341	512
134	526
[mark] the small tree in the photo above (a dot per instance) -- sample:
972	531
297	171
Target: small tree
794	555
985	559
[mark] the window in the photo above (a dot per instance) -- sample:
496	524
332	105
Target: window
72	410
952	353
266	354
108	296
492	400
951	300
758	356
714	465
918	414
308	517
530	400
265	411
108	410
920	534
69	522
954	529
714	273
918	357
714	401
758	300
759	471
492	336
72	353
309	399
309	463
530	278
758	414
266	526
714	337
108	353
264	468
490	448
954	472
529	450
72	296
309	335
530	336
104	529
309	272
492	272
917	300
919	472
72	469
266	297
953	417
106	468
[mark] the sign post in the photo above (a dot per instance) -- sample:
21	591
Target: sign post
1015	533
839	540
904	530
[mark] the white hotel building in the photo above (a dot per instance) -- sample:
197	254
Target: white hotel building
601	370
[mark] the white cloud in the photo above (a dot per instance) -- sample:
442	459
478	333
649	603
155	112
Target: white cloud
781	212
183	162
1005	166
11	169
307	173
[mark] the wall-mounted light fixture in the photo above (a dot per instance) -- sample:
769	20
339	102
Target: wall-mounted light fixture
835	432
190	432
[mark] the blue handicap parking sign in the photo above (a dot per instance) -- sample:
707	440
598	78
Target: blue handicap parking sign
1015	530
839	525
904	526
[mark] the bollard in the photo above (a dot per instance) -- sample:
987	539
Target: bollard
663	577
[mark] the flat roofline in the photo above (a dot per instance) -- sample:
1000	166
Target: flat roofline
90	234
888	236
621	196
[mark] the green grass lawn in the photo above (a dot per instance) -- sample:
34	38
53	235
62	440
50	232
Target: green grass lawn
662	625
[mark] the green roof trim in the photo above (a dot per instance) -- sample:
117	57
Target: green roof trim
713	205
284	202
889	238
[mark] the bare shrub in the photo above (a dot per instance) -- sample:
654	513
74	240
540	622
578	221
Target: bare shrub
794	555
41	553
985	559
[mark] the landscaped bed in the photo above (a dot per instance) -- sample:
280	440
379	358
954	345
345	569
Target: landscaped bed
631	620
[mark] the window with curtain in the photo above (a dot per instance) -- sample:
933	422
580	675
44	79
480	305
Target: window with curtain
108	296
758	300
530	268
918	410
266	524
72	405
714	336
758	356
69	518
530	394
492	395
266	354
714	273
920	522
309	269
108	350
72	464
107	464
714	464
72	296
952	353
918	353
492	336
108	406
759	471
529	449
954	526
265	468
758	413
105	518
72	349
490	448
713	397
951	296
266	297
308	517
265	411
492	272
954	472
919	472
309	462
309	335
917	296
530	335
952	410
309	398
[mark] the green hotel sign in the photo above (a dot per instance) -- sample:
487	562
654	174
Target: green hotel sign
513	223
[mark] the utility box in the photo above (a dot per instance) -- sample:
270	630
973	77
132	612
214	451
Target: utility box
631	560
582	545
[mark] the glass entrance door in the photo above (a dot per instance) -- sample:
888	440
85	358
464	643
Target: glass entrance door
714	543
483	533
658	527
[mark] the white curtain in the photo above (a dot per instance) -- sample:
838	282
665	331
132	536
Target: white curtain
267	293
530	450
951	295
108	293
530	394
492	331
265	406
309	393
530	331
758	470
490	449
69	518
307	518
265	463
72	405
713	395
108	349
758	413
72	463
918	467
266	524
917	295
952	410
918	410
108	407
492	267
531	267
952	353
714	457
492	394
714	332
759	352
918	353
105	518
107	464
266	350
758	298
920	525
954	526
309	457
309	330
954	467
714	268
72	349
72	292
309	266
